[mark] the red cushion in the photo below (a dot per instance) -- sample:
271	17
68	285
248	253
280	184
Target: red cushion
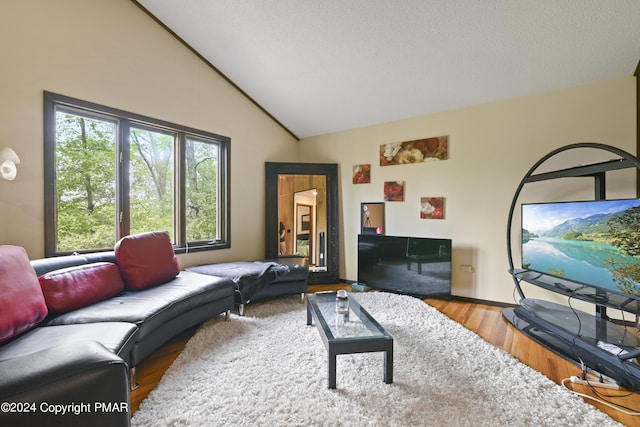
146	259
22	304
74	287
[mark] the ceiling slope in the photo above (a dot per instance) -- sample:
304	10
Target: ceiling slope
324	66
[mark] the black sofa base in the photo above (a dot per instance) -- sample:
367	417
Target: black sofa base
117	337
84	379
160	312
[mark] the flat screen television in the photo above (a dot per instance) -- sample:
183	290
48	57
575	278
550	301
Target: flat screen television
593	244
415	266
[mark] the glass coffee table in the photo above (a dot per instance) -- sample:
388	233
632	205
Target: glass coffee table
356	332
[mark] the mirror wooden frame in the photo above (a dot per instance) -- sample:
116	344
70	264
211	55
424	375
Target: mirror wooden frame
332	243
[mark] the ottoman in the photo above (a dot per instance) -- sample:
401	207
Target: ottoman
258	280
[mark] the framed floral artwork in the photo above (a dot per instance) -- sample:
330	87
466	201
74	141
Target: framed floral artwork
362	174
418	151
394	191
432	207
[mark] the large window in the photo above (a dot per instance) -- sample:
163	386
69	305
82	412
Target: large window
109	173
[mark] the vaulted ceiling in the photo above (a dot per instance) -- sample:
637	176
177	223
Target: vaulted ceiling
321	66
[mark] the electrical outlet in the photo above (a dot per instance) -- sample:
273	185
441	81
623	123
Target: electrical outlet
465	268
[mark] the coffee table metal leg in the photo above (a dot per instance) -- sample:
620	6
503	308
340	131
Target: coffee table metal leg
388	366
332	369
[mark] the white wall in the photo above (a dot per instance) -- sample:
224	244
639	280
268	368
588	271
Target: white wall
491	147
112	53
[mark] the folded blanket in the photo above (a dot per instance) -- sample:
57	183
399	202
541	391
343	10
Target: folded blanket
248	277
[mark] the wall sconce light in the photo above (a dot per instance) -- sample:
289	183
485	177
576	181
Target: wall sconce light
8	161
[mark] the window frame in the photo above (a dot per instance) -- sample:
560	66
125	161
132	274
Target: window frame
124	122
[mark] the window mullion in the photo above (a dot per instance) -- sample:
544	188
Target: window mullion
180	197
123	198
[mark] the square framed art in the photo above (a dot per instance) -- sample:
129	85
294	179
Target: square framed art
362	174
432	207
394	191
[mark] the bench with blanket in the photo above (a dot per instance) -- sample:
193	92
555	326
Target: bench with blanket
258	280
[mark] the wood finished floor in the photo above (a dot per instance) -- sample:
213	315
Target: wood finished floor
485	320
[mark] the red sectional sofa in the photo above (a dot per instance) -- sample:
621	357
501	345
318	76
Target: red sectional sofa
73	328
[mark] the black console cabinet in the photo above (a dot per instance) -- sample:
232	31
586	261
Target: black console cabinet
594	339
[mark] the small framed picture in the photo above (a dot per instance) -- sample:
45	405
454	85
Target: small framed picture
394	191
432	207
362	174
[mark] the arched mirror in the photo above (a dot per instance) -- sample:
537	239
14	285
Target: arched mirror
301	217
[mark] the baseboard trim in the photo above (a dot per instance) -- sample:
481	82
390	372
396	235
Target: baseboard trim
459	298
483	301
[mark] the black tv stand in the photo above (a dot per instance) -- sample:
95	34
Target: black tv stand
580	336
602	344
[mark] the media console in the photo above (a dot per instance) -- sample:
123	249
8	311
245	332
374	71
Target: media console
601	344
416	266
610	347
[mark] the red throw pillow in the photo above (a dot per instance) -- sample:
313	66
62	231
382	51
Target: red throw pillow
22	304
146	259
74	287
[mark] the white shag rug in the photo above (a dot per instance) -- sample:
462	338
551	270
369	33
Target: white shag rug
270	369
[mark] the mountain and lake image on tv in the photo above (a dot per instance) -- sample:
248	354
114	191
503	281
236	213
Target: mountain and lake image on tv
593	243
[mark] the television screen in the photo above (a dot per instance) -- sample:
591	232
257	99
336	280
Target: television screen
593	243
416	266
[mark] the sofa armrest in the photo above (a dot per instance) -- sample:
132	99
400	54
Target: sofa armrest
81	384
